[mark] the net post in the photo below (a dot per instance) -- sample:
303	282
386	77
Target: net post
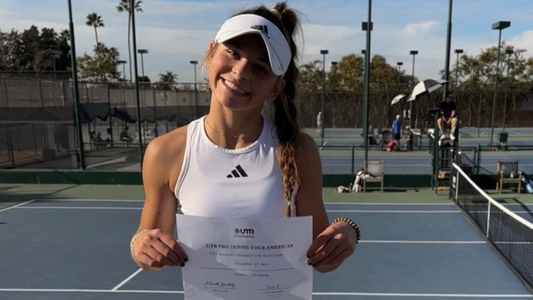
488	220
353	160
457	176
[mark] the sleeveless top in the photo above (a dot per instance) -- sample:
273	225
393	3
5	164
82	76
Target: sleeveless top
234	183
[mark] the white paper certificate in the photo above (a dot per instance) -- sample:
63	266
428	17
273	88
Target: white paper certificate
241	259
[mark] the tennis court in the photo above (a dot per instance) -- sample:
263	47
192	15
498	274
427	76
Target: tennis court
71	242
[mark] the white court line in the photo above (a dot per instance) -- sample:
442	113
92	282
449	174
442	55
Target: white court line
127	279
421	242
328	210
391	204
86	200
394	211
16	206
315	293
82	207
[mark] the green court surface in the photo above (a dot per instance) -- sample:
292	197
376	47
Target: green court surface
12	194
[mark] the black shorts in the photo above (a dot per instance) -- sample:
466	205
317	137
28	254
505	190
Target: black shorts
397	136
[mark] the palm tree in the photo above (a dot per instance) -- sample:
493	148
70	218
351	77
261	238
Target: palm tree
124	6
94	20
167	80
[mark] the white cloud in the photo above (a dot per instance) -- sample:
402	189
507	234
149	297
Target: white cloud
178	31
422	28
523	41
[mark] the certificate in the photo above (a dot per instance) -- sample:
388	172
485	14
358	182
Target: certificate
246	259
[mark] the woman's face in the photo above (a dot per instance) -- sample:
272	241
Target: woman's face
240	76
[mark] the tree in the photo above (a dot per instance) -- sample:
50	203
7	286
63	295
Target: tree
124	6
167	80
94	20
102	67
30	50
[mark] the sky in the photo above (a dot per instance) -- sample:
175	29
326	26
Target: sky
176	32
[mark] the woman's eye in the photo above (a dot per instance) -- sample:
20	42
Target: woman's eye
262	69
232	53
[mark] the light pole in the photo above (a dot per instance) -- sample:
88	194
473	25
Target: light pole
333	69
509	52
413	53
367	26
141	52
137	97
448	49
399	64
123	63
76	95
323	52
501	25
194	63
54	54
457	51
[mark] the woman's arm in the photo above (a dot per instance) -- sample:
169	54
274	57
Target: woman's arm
155	247
331	243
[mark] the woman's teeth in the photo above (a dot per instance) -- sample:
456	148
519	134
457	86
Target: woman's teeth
234	87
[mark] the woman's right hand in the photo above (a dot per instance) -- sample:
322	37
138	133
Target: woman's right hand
157	249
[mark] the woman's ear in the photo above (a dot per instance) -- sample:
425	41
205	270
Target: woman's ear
210	56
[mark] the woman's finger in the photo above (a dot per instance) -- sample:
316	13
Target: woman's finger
331	245
175	246
334	256
319	242
167	252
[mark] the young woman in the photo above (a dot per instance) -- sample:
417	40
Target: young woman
234	162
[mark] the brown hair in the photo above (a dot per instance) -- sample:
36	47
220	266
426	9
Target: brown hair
285	113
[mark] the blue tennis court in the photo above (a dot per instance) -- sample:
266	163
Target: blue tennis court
78	249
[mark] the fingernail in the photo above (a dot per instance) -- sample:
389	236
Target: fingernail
309	262
186	259
183	264
308	256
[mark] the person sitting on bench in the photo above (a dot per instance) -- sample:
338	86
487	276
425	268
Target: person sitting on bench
448	112
125	137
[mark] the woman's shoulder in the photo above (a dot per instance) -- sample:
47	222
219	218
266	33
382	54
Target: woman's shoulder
305	142
163	151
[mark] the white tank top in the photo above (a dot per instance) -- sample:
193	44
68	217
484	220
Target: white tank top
241	183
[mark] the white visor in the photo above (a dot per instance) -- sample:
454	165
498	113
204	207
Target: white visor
279	52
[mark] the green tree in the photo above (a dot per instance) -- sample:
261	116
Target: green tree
95	20
167	80
101	67
124	6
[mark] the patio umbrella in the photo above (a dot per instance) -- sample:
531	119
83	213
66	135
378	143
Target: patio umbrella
427	86
397	99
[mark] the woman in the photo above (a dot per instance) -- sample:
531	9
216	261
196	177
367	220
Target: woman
234	162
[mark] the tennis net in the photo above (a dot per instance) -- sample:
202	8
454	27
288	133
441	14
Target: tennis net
510	234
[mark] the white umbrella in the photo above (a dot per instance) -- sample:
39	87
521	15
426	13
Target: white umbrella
397	99
427	86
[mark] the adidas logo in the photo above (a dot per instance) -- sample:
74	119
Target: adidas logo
237	172
263	28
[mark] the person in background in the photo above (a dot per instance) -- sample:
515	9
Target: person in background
448	112
397	129
319	123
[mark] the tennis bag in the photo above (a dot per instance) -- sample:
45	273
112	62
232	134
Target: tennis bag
527	184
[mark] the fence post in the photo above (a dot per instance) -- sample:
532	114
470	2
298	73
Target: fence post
110	113
155	115
41	93
5	92
64	93
353	160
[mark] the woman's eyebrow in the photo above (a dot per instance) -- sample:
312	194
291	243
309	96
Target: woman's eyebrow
262	59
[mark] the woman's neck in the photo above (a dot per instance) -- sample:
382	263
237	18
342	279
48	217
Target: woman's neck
233	130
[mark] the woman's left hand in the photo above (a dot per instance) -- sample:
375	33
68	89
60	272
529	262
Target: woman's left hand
333	245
